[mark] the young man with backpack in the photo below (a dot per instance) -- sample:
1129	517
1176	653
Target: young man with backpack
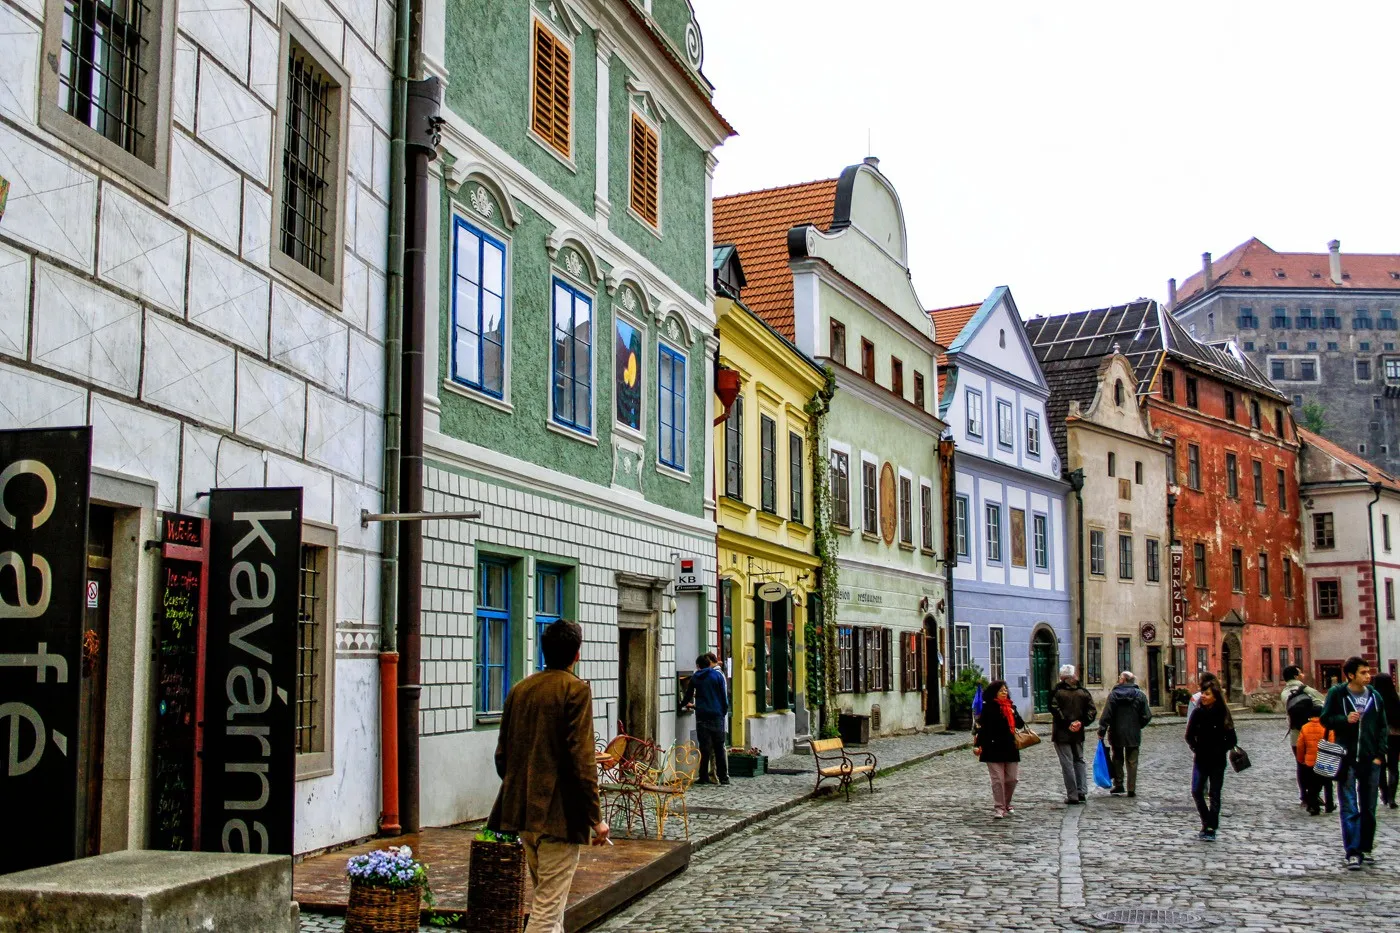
1297	698
1356	713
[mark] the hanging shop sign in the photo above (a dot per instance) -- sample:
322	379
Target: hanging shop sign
772	592
687	575
43	568
249	762
1178	599
1148	631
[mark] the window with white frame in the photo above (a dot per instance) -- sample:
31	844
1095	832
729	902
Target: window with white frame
974	413
962	648
869	501
1041	542
671	394
309	181
1033	434
906	511
106	90
926	515
571	364
797	486
478	309
996	653
841	488
1096	552
315	677
993	531
961	529
1005	425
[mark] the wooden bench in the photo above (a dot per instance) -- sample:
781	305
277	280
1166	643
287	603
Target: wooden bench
835	764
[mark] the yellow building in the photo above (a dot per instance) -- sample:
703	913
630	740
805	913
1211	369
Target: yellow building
768	580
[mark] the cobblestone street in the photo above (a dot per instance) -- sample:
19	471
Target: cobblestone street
923	853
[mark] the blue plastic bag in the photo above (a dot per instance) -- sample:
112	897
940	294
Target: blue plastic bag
1102	776
977	701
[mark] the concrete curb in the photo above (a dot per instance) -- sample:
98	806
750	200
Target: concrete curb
791	803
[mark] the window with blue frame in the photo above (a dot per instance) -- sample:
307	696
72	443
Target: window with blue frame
671	397
549	605
478	310
493	668
572	364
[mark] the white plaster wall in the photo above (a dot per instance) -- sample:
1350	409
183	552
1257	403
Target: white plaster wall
160	324
457	780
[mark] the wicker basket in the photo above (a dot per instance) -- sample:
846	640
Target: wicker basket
377	909
496	887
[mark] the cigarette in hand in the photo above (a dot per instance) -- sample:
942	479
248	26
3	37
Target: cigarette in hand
608	841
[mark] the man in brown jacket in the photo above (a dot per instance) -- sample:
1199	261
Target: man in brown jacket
549	775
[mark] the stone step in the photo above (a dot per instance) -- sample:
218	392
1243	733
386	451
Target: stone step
800	746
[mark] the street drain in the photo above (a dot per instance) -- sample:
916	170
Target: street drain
1137	916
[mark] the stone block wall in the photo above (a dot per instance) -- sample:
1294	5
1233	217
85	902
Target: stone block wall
161	323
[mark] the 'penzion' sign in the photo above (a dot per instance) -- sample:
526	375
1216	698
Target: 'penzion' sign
43	567
249	764
1178	599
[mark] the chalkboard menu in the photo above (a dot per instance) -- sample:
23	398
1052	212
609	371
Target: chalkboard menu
177	671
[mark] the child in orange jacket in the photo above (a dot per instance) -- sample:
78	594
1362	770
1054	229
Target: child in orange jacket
1309	735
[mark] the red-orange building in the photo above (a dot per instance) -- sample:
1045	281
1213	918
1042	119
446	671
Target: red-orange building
1236	513
1232	492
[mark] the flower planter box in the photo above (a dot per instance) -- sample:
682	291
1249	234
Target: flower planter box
747	765
1181	708
377	909
496	887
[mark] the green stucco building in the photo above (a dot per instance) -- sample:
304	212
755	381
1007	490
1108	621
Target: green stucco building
569	382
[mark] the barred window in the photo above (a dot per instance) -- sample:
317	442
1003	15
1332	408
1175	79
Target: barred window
107	88
309	193
315	669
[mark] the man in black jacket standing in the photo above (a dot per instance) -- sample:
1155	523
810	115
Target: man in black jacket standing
708	694
1072	709
1124	715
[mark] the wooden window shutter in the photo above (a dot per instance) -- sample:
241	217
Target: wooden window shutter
550	105
644	170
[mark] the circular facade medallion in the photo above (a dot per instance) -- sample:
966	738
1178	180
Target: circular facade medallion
1148	632
888	507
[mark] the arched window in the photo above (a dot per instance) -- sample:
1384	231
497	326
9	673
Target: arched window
1118	392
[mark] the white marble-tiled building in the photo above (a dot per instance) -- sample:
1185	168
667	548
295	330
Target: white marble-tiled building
146	289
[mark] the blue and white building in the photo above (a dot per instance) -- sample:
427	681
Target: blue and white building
1011	600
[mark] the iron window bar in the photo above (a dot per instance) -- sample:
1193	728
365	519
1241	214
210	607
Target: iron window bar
307	223
101	70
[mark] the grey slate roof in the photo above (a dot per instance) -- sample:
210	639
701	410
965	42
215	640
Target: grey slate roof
1069	381
1134	328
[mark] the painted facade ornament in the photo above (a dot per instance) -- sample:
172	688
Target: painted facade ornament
694	45
573	264
628	299
673	329
481	202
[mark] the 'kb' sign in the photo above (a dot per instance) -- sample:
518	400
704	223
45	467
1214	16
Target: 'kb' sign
43	563
250	670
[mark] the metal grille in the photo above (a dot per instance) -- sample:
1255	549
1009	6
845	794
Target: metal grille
1149	915
101	68
308	192
309	648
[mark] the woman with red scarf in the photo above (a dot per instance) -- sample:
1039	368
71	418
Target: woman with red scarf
995	745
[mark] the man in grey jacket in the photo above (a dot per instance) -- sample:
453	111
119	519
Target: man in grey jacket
1124	715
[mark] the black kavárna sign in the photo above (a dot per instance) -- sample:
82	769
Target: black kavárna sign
43	569
250	671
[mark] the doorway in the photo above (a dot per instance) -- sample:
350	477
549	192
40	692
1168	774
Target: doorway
1154	676
1329	674
632	683
1043	674
1232	669
933	710
92	692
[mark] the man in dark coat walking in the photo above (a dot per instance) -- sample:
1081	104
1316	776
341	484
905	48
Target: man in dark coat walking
1124	715
549	774
1072	709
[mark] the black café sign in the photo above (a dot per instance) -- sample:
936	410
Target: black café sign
43	565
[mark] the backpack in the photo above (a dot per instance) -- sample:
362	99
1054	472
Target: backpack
1297	710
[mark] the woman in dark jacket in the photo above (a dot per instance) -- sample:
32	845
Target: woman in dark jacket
1390	773
995	745
1211	734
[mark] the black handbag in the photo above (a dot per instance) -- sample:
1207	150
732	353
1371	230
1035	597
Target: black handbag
1239	759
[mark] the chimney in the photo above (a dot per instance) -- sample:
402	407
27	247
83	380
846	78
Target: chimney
1334	259
1208	270
1171	294
872	161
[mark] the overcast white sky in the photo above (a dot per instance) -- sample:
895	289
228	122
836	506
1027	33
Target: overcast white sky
1079	152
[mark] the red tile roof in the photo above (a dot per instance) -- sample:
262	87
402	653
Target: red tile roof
757	223
1253	264
947	324
1372	473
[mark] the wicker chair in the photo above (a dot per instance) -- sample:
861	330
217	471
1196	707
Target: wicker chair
667	785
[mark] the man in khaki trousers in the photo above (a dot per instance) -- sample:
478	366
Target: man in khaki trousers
549	775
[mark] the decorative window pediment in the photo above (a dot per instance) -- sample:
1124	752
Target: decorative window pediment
558	14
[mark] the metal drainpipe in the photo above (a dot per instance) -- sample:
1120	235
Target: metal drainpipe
1076	483
393	406
1375	584
421	139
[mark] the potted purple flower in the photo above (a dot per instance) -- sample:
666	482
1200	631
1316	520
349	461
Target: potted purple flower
386	887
